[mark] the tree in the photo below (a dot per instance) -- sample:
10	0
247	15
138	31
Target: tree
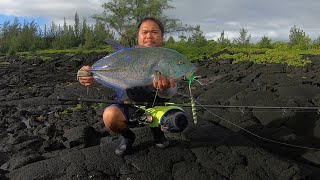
4	43
244	39
280	45
223	41
182	38
170	41
27	36
11	36
298	38
16	37
43	40
76	25
53	31
66	38
123	17
265	42
197	38
83	31
316	43
95	35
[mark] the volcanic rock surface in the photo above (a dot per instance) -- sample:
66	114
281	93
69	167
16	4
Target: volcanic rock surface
43	138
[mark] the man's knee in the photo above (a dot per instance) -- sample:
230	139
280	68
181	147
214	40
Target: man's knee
115	120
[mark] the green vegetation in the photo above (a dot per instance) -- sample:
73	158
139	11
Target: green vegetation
120	18
258	56
196	47
72	51
16	37
123	16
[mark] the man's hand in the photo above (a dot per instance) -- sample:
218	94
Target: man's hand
162	83
84	76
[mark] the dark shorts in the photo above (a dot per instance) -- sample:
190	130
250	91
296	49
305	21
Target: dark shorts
127	110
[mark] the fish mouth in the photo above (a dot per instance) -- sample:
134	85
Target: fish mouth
189	74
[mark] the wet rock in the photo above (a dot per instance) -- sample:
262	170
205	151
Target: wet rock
51	145
3	158
35	62
21	159
3	174
84	136
46	132
316	129
15	127
22	142
38	131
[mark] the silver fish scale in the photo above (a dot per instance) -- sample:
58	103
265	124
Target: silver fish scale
131	67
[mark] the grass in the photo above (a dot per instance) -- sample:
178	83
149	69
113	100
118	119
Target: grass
255	55
43	54
73	51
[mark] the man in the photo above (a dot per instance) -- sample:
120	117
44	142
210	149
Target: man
115	117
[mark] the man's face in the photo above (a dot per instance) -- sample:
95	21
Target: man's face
149	34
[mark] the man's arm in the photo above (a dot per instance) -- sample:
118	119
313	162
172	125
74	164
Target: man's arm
165	88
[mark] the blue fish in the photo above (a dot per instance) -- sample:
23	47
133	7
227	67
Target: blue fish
132	67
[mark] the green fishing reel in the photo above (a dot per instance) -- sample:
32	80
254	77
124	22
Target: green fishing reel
170	118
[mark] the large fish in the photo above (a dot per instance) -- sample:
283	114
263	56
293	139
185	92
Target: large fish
132	67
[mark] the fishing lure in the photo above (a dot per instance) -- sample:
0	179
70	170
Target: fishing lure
193	104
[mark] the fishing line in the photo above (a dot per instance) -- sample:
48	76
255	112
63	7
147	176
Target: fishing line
242	128
256	135
155	98
156	77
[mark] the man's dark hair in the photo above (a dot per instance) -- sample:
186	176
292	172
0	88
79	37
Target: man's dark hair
161	27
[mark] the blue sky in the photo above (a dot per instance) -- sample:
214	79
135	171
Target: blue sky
38	20
272	18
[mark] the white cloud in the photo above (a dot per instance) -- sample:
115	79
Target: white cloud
227	34
51	10
272	18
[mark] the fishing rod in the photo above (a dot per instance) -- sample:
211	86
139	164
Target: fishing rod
80	99
206	108
90	100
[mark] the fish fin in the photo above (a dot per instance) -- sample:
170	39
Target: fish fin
108	69
165	71
116	46
119	92
156	75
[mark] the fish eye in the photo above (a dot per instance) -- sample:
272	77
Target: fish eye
180	62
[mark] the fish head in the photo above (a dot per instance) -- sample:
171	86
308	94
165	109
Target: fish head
175	66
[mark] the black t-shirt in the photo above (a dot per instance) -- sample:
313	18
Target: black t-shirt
143	94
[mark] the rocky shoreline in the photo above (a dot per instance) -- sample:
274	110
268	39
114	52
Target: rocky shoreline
43	138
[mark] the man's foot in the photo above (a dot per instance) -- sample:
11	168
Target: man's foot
159	138
125	145
162	144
